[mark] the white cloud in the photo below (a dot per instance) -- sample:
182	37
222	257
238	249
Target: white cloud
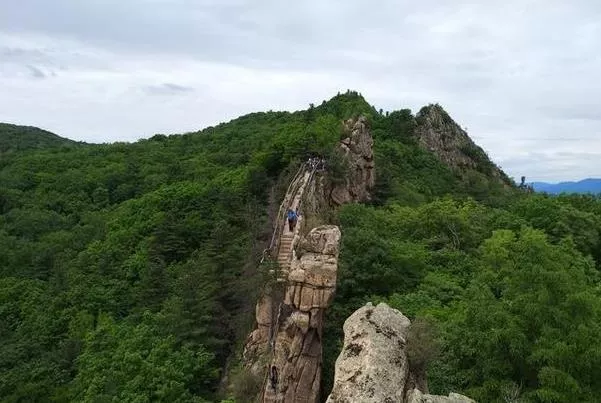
521	75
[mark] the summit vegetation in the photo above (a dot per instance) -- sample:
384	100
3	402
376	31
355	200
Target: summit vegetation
128	272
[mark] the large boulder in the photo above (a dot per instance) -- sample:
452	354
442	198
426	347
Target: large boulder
373	365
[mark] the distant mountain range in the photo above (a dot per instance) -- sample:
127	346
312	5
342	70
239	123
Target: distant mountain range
589	185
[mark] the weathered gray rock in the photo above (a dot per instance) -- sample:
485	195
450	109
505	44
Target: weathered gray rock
438	133
416	396
357	149
373	365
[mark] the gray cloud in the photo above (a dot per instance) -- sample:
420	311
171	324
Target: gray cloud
522	75
167	89
35	72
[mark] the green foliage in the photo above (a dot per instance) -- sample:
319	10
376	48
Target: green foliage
245	385
422	347
15	138
517	309
128	272
476	154
121	362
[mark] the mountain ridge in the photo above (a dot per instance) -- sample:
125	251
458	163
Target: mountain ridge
17	138
120	262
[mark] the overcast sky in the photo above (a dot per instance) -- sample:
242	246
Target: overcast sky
523	76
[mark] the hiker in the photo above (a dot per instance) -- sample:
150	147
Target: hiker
292	217
273	377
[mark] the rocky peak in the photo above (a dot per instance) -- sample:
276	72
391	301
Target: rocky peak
373	365
356	150
438	133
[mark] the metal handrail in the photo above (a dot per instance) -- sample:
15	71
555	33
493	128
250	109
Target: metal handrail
291	193
278	227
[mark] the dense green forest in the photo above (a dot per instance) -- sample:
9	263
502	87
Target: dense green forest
128	272
19	138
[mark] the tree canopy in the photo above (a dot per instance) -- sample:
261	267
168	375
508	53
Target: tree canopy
128	272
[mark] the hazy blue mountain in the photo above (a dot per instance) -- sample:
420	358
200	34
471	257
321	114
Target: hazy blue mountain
589	185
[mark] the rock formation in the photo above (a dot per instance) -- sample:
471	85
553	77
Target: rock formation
357	151
289	315
297	349
373	365
258	342
416	396
438	133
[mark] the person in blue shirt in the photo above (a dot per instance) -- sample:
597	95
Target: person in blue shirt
292	218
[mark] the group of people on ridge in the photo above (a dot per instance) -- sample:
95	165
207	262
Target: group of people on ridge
317	163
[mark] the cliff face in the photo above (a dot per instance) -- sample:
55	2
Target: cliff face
438	133
373	365
297	349
356	149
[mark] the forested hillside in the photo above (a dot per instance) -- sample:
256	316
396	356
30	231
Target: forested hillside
128	272
20	138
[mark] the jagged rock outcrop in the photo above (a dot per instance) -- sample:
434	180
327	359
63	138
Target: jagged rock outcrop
357	150
438	133
297	350
373	365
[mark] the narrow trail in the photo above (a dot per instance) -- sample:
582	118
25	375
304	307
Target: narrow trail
286	241
283	241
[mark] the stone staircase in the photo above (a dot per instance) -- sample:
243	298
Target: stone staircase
285	245
285	250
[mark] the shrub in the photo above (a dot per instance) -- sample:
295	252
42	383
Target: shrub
422	347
